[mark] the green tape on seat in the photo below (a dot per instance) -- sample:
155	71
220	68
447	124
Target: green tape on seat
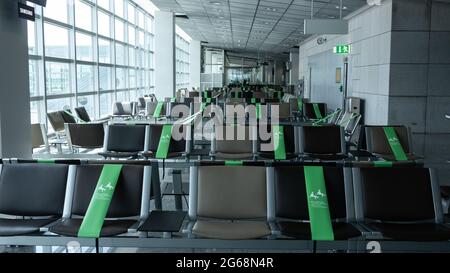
395	144
158	109
205	94
101	199
383	164
280	149
173	99
300	105
236	95
202	106
317	111
164	142
234	163
258	111
319	212
46	161
253	100
208	100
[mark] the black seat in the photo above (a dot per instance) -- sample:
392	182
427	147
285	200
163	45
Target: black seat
68	116
83	114
124	141
292	205
399	204
85	135
323	142
266	147
176	147
126	201
31	190
56	120
310	114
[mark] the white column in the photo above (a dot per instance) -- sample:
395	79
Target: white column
15	129
195	64
294	71
165	59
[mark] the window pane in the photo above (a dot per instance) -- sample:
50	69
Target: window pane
36	111
123	96
104	4
106	101
57	78
120	54
104	24
57	10
131	11
132	56
32	49
33	78
56	41
84	47
121	78
105	77
118	7
119	30
132	78
83	15
88	102
131	35
85	78
104	53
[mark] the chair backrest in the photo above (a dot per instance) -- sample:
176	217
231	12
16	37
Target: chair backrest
328	139
239	141
68	116
289	138
151	107
235	110
377	141
284	110
125	138
37	135
141	101
179	109
86	135
33	189
309	113
194	94
175	146
123	108
232	192
56	120
83	114
126	201
394	194
291	197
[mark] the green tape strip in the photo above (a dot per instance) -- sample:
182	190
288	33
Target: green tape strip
236	95
208	100
158	109
253	100
300	104
46	161
280	149
234	163
101	199
317	111
319	212
383	164
164	142
395	144
202	106
279	95
173	99
258	111
205	94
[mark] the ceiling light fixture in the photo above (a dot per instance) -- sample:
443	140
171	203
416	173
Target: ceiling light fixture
215	2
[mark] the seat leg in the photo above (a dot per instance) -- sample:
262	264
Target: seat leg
156	186
177	189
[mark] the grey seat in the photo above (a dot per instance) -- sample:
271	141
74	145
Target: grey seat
125	206
378	144
236	145
85	135
151	107
124	108
231	203
115	145
31	190
401	203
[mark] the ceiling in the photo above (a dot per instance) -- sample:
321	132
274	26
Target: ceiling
252	26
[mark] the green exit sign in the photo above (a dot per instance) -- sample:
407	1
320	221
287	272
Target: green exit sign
341	49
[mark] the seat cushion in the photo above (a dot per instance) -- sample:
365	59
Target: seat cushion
232	156
119	154
70	227
302	231
238	230
412	232
15	227
169	155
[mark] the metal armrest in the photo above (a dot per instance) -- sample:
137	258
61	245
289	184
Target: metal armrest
47	227
134	228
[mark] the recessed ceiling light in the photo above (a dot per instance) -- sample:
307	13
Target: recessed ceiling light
215	2
344	7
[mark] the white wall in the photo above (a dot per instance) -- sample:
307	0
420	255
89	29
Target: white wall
369	61
195	64
165	61
294	72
